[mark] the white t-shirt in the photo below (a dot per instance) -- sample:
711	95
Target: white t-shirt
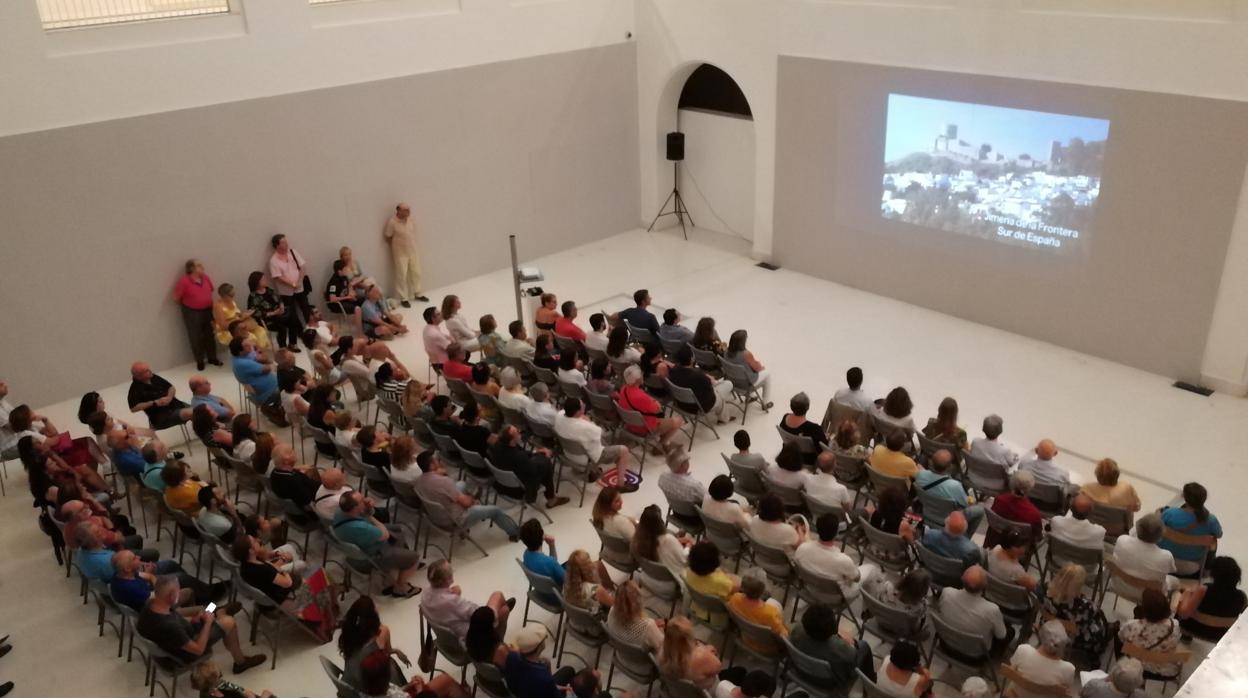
828	561
620	526
513	401
971	613
596	341
292	401
777	534
726	511
856	399
244	450
823	487
460	330
1041	669
346	437
409	474
1083	534
583	431
573	376
543	412
787	478
1143	560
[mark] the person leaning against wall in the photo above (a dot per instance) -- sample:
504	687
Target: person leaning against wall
193	292
400	232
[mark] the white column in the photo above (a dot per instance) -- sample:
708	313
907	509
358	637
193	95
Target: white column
1226	350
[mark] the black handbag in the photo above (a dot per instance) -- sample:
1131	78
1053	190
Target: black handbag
307	281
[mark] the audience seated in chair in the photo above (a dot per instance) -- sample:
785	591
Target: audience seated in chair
363	634
444	605
902	673
565	324
967	610
355	524
1064	600
311	599
895	410
1003	560
607	517
823	487
490	342
751	604
654	542
1154	629
952	541
908	594
211	432
632	396
712	395
743	456
587	584
990	448
852	395
629	621
189	634
1044	665
1045	468
527	672
790	470
944	426
847	441
456	365
201	394
511	395
535	468
937	482
705	576
519	346
1140	556
435	337
298	483
770	527
1015	506
1221	598
684	658
677	483
181	488
434	485
156	397
817	636
754	369
1074	527
459	327
889	458
1125	680
539	408
574	425
598	335
824	558
718	504
1109	490
796	423
1190	519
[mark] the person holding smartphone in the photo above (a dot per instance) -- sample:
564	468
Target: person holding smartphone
190	633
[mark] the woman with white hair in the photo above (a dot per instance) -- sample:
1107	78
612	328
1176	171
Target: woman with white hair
512	394
1125	680
633	397
1044	665
975	687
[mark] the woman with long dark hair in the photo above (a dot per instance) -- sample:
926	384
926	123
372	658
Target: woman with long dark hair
1191	519
896	409
652	541
944	426
362	634
754	369
618	347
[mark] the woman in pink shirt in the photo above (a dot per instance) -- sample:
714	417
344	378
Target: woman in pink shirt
194	294
289	273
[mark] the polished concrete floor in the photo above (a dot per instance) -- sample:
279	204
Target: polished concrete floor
806	330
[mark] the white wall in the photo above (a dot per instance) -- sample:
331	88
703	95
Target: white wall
271	47
1194	47
717	176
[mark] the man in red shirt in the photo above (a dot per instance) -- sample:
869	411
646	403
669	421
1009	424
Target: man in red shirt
1015	506
194	293
566	326
456	365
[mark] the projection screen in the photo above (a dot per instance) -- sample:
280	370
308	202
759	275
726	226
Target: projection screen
1139	189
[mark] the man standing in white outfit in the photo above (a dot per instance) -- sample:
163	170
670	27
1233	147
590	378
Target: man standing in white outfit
400	232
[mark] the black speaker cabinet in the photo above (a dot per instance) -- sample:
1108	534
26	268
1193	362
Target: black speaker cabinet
676	146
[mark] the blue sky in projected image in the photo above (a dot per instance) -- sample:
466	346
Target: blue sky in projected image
914	122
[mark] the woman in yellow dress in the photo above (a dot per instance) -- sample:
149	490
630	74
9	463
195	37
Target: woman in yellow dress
225	311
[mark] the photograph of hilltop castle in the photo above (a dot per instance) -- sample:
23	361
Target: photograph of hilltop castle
991	171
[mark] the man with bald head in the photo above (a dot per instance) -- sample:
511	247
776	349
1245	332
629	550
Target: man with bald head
400	232
953	541
298	483
1074	527
201	394
1043	467
155	397
936	482
967	610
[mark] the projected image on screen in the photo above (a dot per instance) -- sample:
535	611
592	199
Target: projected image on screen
1025	177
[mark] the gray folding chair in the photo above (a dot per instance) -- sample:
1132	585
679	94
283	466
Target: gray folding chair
475	470
616	552
891	624
489	679
603	409
706	360
970	652
459	392
759	642
640	335
644	441
805	444
324	443
715	609
447	449
1058	552
1050	498
986	478
681	398
814	588
546	376
791	497
684	516
365	392
660	582
726	536
487	405
836	413
572	454
818	508
422	433
514	418
506	485
879	481
929	447
397	421
746	481
1117	521
440	520
546	594
633	662
936	509
570	389
896	551
334	672
811	674
351	465
567	344
849	470
775	563
745	389
1014	601
450	647
584	627
945	571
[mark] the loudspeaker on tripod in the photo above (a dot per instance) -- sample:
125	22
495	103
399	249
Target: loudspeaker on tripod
676	146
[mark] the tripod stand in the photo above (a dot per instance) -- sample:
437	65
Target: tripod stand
678	204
